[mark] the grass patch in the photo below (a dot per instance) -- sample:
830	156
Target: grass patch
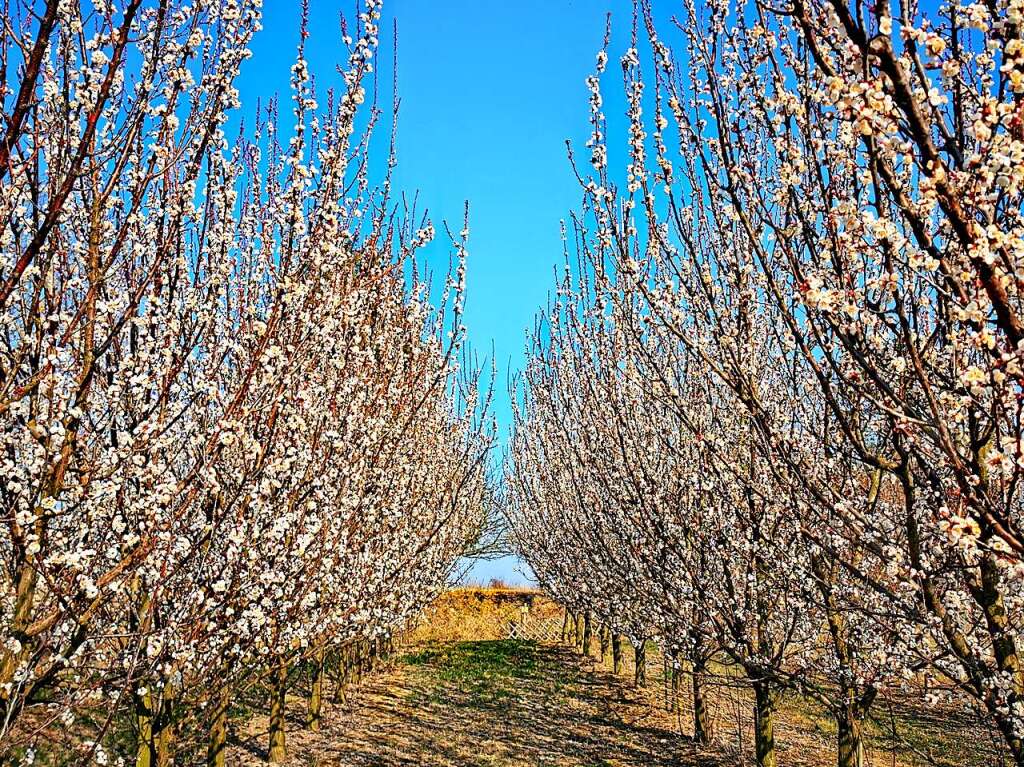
464	661
487	672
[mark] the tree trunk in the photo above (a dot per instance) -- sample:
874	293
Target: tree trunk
369	655
316	692
764	727
216	753
165	734
701	723
565	626
579	631
851	746
588	635
640	663
10	659
277	752
145	748
674	674
339	688
344	675
1004	646
617	653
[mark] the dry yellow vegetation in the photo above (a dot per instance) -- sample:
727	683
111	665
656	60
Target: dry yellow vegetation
482	613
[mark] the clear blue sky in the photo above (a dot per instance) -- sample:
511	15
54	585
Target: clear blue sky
490	91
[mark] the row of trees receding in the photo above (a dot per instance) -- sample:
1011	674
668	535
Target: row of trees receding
773	416
235	436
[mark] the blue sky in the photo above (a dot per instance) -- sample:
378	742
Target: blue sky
490	92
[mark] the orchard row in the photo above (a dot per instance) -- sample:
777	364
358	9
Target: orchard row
772	416
235	434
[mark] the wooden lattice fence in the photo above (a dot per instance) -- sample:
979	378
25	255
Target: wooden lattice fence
536	629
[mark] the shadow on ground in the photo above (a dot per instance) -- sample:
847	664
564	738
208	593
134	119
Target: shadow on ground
495	704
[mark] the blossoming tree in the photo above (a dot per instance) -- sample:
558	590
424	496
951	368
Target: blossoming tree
236	434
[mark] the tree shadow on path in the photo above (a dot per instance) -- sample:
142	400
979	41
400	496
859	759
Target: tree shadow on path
496	704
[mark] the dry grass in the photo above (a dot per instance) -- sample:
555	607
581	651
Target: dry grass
481	613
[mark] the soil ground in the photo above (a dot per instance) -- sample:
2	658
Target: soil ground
499	703
516	703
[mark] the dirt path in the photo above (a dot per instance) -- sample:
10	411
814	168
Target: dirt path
494	704
511	703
